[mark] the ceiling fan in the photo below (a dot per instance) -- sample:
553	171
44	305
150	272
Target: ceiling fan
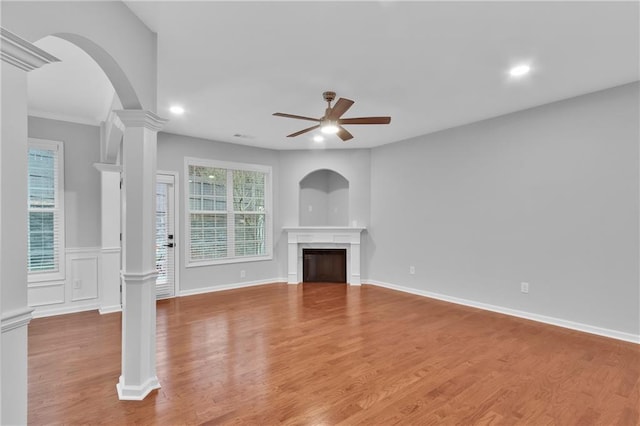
331	123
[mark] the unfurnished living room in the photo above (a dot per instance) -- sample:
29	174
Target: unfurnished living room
320	213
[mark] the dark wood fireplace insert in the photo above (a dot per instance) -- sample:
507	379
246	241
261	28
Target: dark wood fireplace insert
324	265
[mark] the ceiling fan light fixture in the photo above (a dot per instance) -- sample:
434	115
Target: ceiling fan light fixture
329	128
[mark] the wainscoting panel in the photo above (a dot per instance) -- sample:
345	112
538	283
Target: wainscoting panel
48	294
84	276
79	290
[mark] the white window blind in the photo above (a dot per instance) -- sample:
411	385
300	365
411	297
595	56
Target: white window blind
228	216
45	225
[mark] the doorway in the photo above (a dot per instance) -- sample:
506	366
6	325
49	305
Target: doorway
165	236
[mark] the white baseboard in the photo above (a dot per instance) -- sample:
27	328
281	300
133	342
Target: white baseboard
109	309
49	311
223	287
614	334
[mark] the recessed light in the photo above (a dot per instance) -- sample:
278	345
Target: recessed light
177	110
318	138
519	70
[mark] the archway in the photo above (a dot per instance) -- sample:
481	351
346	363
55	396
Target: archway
127	135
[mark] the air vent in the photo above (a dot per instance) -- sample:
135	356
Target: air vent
241	136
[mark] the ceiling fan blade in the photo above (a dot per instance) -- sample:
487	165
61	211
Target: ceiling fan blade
365	120
293	135
340	108
344	134
299	117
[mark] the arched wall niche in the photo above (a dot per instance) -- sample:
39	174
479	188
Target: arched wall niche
324	199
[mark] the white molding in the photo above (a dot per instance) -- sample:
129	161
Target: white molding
22	54
136	393
44	311
203	290
139	277
114	120
108	167
586	328
38	284
105	250
83	250
141	118
47	115
325	229
16	319
110	309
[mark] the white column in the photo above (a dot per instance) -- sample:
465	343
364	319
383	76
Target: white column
18	57
354	279
292	261
110	230
138	376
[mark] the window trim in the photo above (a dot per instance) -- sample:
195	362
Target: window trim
228	165
58	147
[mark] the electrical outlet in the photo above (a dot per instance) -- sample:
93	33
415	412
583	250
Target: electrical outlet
243	273
77	284
310	208
524	287
412	270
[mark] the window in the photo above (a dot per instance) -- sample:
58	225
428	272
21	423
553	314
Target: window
228	218
45	227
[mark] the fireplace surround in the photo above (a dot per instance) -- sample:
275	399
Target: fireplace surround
323	237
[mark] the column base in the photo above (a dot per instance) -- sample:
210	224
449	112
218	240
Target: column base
109	309
136	393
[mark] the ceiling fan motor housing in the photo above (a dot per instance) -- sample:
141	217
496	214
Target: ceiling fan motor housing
329	96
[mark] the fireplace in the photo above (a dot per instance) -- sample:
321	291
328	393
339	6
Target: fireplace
301	238
324	265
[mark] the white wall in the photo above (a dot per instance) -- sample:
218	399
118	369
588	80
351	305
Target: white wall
81	179
171	152
338	200
548	196
79	289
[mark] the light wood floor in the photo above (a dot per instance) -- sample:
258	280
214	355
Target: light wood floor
327	354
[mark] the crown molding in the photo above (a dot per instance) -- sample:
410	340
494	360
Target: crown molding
63	117
21	53
141	118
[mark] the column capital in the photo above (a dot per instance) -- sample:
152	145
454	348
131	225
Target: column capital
21	53
16	319
141	118
108	167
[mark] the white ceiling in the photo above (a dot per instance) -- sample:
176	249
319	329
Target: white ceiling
429	65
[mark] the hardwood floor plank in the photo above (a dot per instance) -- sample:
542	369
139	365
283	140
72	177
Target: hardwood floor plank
332	354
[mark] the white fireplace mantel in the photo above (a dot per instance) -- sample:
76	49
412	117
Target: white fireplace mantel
300	237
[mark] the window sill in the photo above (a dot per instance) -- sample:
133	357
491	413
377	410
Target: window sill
196	264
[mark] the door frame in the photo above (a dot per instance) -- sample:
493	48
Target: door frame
163	174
